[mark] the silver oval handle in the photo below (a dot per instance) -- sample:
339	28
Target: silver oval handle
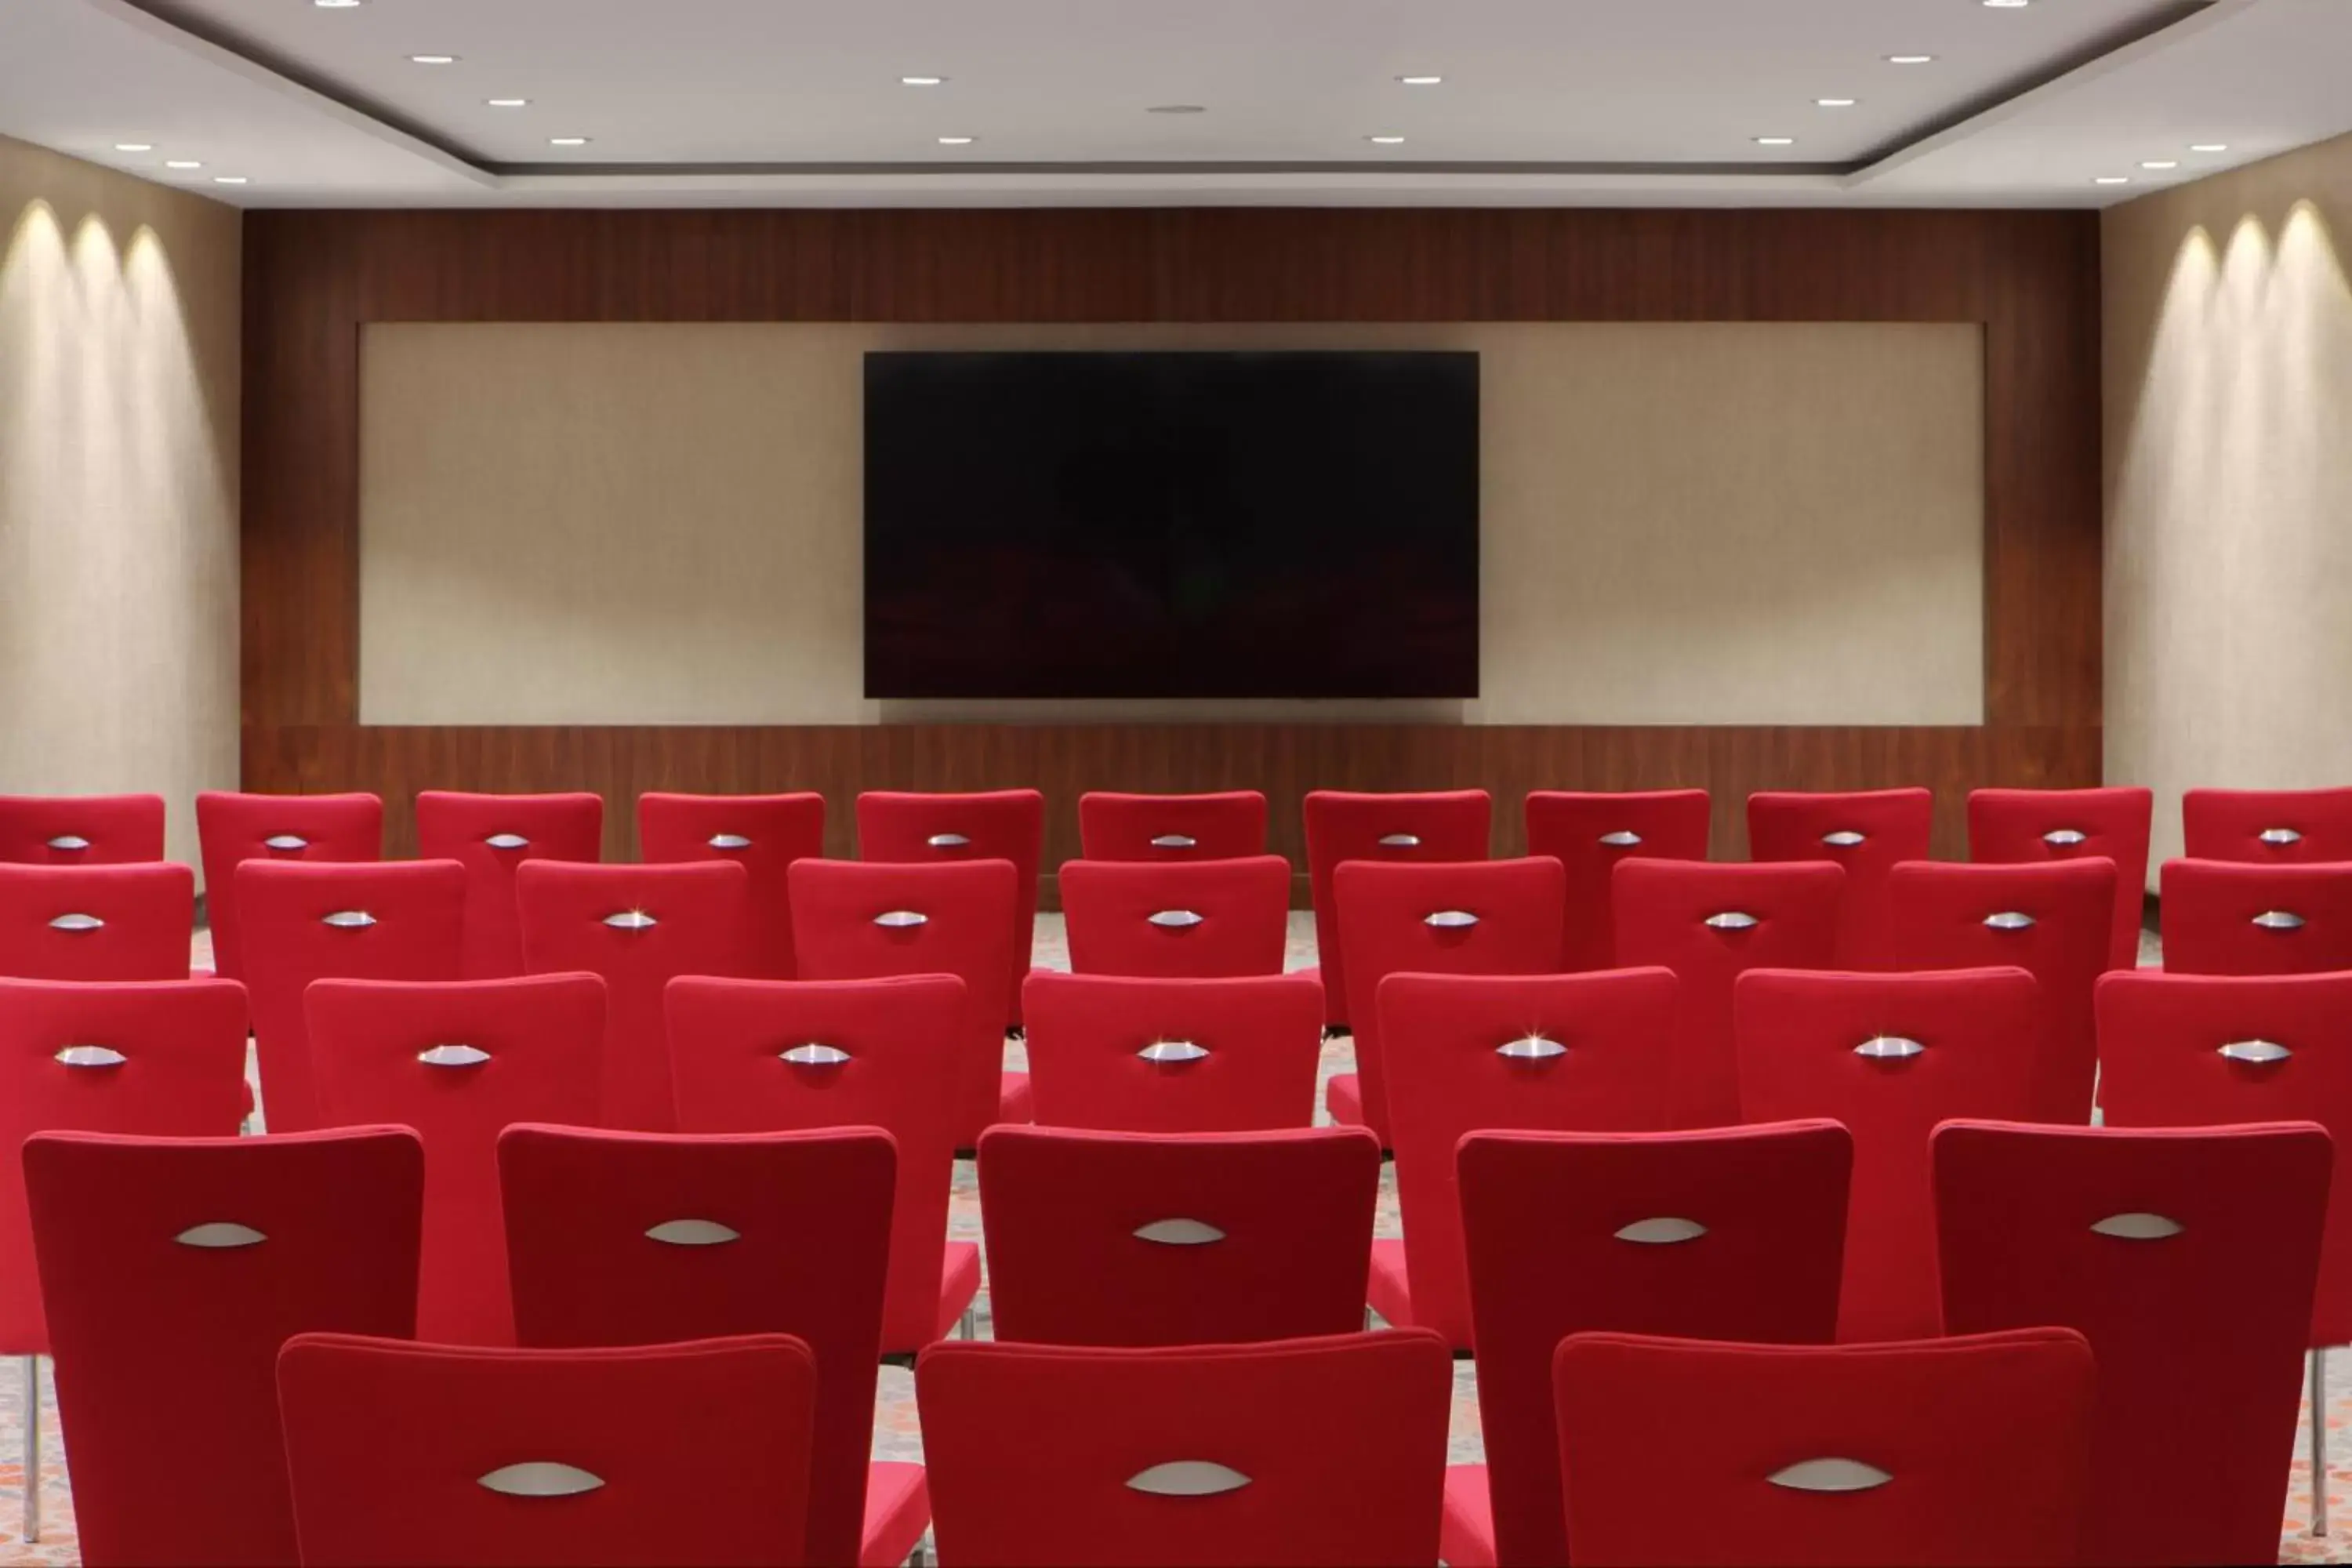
348	920
2139	1226
1451	919
1174	920
1178	1233
77	922
947	841
1623	838
814	1054
285	841
1665	1230
1888	1047
2279	919
2279	838
1171	1053
900	919
91	1056
1843	839
1731	920
631	919
1530	1048
1401	841
2009	919
1188	1478
219	1234
2256	1051
507	841
453	1055
540	1478
1830	1475
692	1233
1175	841
2065	838
69	841
729	841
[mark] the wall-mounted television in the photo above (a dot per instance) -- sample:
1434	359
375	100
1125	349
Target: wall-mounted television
1160	525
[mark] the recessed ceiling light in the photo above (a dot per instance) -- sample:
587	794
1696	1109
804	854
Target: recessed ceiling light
958	140
2112	180
2160	164
433	59
1775	140
1420	81
1176	109
134	146
1386	141
922	81
567	140
182	164
335	5
1910	60
2007	5
2209	147
1835	103
508	102
228	179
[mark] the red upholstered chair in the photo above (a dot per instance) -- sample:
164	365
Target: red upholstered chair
81	830
769	1056
2028	826
1472	916
171	1270
1711	923
857	920
1732	1234
1054	1455
459	1063
1132	1239
1195	919
1588	834
398	920
2051	921
2188	1259
1170	830
1867	832
764	834
627	1238
640	927
1120	1053
1889	1056
2221	918
519	1459
1965	1452
952	829
233	828
1444	825
97	922
490	835
1553	1052
2267	826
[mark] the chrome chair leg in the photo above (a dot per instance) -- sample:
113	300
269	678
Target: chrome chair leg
972	1321
32	1449
2318	1442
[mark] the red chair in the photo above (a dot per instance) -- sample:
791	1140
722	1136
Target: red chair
171	1270
2267	826
458	1063
764	834
1171	829
768	1055
1118	1054
640	927
1052	1455
1552	1053
1965	1452
1446	826
1476	917
1132	1239
627	1238
2028	826
952	829
1189	919
81	830
490	835
856	920
1588	834
97	922
233	828
432	1455
1889	1056
2221	918
2051	921
2188	1259
1729	1235
1867	832
1710	924
400	920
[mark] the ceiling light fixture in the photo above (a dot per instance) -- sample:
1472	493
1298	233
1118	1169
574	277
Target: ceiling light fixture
2209	147
336	5
508	102
567	140
2007	5
1420	81
228	179
1910	60
1775	140
433	59
922	80
134	146
182	164
2160	164
1835	103
2112	180
1386	141
958	140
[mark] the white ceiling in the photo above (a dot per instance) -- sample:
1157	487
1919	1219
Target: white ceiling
779	101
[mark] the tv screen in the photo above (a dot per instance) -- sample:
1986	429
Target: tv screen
1071	525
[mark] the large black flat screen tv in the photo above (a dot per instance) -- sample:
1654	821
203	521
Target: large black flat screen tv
1071	525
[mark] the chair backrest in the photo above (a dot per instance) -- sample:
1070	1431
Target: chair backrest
172	1270
628	1238
97	922
165	1060
2188	1259
773	1055
1730	1234
1471	917
81	829
1170	830
1197	919
517	1458
1056	1456
857	920
764	834
395	920
1120	1053
1189	1238
1867	832
2198	1050
954	829
2027	826
2223	918
1962	1452
2051	921
458	1062
2267	826
490	835
1710	924
639	927
1442	826
1550	1053
1588	834
1889	1056
233	828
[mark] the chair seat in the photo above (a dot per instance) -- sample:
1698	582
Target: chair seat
1344	1099
1467	1539
1013	1101
1386	1289
898	1511
959	1283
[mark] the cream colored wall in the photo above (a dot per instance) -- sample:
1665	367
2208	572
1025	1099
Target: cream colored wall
1683	523
119	350
2229	447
